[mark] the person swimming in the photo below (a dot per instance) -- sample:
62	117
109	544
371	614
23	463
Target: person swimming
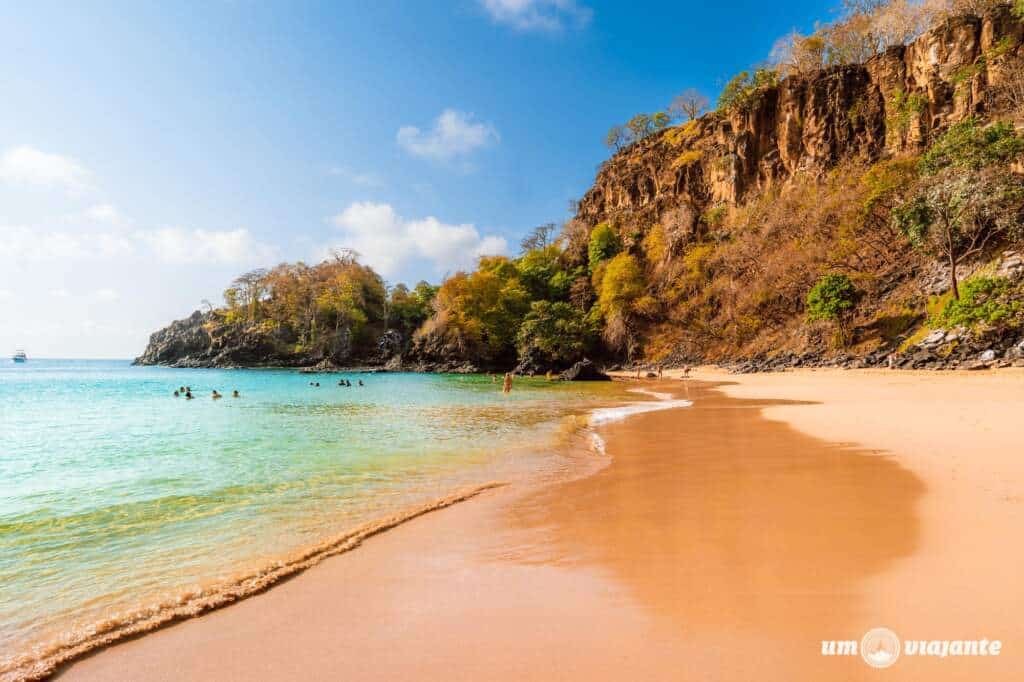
215	395
360	382
176	394
188	395
181	389
235	394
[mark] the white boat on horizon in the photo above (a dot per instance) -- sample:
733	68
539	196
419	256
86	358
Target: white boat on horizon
19	356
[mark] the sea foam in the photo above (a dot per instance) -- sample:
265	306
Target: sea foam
662	401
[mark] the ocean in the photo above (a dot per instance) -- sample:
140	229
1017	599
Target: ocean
122	507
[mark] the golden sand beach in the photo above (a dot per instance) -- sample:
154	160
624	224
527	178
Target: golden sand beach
723	541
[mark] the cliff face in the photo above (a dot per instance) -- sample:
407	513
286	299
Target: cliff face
894	103
200	340
205	340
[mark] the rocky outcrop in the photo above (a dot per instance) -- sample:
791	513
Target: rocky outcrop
203	340
584	370
206	340
181	339
895	102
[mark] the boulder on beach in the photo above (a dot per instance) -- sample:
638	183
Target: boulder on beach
584	370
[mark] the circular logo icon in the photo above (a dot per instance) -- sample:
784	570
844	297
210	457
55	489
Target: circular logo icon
880	647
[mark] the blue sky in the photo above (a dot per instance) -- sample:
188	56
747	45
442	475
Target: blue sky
151	151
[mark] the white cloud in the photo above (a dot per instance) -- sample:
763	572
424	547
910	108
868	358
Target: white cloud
387	242
454	134
366	179
538	15
105	213
170	245
25	165
105	294
176	245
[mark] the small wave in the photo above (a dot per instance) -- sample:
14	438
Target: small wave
663	401
43	660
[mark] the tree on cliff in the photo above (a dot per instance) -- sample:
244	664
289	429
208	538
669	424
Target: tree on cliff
246	291
968	197
636	129
617	137
743	90
689	104
539	237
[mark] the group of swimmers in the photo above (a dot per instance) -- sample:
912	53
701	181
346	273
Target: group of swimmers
341	382
187	392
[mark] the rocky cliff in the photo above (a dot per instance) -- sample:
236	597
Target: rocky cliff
803	176
201	340
895	102
205	340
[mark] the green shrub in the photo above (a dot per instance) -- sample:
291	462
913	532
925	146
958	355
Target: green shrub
903	108
969	145
604	243
832	298
988	300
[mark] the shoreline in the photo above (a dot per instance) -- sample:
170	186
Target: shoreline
47	657
725	539
151	618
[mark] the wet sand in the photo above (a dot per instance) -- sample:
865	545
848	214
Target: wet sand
720	542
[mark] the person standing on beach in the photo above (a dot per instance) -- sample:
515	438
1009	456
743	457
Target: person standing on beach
506	385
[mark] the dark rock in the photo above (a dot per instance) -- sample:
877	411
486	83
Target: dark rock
532	363
584	370
322	367
389	345
178	340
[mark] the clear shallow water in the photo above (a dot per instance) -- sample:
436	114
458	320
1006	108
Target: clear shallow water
114	494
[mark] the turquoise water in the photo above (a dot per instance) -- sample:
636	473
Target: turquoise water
115	494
